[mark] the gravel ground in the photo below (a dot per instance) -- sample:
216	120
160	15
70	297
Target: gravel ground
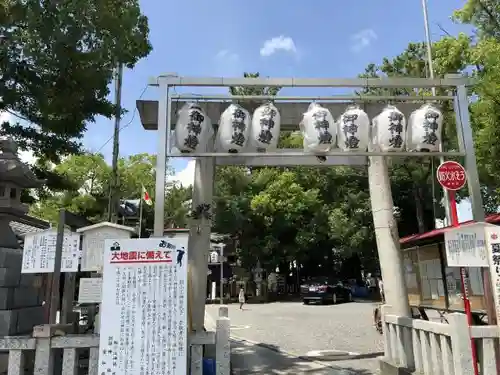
344	332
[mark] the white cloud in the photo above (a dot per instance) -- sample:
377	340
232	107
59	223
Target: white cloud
227	56
363	39
184	177
25	156
279	43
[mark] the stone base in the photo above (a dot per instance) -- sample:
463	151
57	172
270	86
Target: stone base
209	351
387	368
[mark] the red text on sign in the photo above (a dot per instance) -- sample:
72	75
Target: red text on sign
147	256
451	175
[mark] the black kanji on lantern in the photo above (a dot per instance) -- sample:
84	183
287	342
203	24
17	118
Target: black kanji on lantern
266	124
322	126
239	126
396	128
430	126
196	118
350	128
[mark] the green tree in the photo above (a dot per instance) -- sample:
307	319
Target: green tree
177	206
280	215
413	180
88	176
56	62
484	61
483	15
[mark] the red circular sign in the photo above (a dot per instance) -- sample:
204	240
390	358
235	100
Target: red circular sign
451	175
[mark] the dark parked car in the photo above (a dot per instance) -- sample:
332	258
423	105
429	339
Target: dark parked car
325	290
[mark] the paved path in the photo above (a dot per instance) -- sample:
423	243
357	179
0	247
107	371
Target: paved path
252	359
340	336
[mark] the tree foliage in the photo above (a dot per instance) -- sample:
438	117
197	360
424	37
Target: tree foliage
298	214
88	177
310	214
56	61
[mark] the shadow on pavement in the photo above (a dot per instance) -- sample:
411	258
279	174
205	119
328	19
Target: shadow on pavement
265	359
340	356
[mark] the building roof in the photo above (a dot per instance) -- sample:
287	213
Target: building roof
492	219
106	224
175	230
21	229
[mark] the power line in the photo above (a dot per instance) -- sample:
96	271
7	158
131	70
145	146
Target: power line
127	124
110	138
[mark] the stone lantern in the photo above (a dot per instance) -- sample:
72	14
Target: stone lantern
14	177
257	276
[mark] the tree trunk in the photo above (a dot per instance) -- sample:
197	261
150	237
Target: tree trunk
419	208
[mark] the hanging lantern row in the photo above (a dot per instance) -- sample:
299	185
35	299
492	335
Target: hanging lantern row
352	131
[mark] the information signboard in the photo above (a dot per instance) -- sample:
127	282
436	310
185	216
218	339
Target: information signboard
143	326
466	246
493	246
39	252
90	290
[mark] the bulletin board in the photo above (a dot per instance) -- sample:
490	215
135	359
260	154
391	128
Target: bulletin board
431	284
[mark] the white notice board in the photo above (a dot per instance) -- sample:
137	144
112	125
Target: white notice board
93	246
493	245
40	249
143	326
466	246
90	290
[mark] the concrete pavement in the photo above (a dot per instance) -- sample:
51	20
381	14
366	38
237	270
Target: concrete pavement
249	358
293	339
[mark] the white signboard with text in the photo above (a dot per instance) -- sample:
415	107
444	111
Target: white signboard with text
143	326
90	290
93	246
466	246
493	246
39	252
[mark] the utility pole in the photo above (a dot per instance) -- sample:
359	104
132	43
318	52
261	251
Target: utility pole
430	64
113	191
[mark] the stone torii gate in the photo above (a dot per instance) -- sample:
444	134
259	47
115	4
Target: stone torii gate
161	116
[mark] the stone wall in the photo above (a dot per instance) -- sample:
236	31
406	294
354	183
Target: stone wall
20	296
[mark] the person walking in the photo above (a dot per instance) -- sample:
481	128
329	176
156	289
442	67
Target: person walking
381	290
241	298
371	282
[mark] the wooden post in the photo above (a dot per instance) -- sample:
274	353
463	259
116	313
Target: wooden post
56	275
68	297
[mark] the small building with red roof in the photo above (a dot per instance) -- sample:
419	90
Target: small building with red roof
431	284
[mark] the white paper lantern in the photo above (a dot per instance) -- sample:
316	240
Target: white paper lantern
234	129
353	129
425	129
389	130
193	129
319	129
265	130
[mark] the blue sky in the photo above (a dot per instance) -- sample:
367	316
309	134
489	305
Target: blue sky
324	38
